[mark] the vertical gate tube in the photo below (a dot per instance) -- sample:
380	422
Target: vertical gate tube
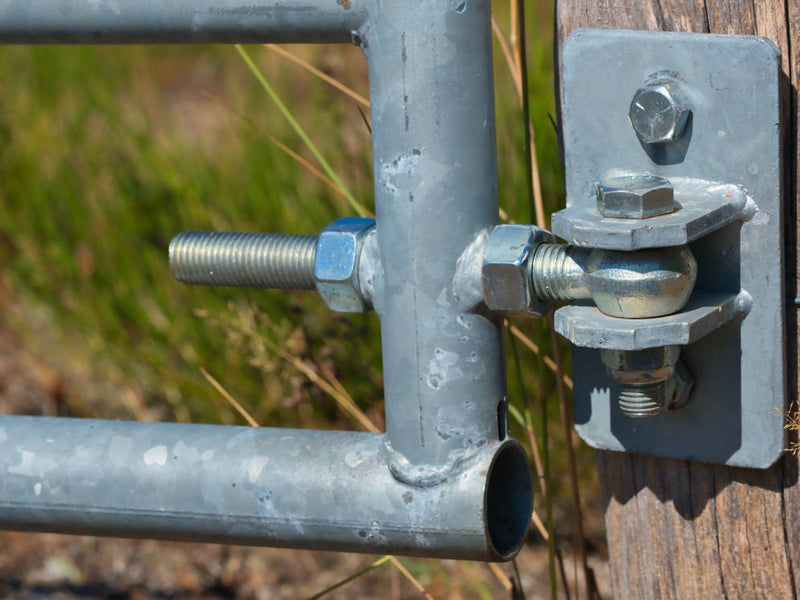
326	490
179	21
435	169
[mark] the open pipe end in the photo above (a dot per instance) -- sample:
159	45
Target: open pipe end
508	499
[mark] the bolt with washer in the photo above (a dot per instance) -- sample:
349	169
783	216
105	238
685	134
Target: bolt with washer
635	196
651	381
328	262
659	113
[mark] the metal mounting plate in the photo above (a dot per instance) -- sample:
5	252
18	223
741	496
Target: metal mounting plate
733	136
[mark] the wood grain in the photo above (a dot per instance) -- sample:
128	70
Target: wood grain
680	529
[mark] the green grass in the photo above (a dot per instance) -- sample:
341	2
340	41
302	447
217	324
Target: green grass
106	154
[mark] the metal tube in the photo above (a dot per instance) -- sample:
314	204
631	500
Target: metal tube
179	21
272	487
434	156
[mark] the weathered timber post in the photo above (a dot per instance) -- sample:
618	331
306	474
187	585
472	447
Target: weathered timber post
682	529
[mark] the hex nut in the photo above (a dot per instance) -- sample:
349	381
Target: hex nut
641	366
681	389
638	196
507	284
648	385
659	113
336	264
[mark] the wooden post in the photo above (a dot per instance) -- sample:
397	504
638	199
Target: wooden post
680	529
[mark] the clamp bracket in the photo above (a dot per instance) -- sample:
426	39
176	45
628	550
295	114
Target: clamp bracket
725	166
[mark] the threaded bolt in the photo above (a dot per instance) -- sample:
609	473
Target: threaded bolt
643	400
258	260
557	272
646	378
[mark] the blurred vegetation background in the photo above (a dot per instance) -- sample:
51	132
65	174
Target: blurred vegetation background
107	152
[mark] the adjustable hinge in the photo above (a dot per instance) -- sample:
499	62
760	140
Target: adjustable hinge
674	140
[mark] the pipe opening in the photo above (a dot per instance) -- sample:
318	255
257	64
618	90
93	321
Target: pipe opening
509	500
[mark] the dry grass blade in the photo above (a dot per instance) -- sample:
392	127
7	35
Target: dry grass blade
338	393
326	78
537	521
566	423
414	581
514	35
501	577
533	346
365	119
282	147
346	580
516	65
287	114
343	400
501	39
231	400
520	589
333	380
504	216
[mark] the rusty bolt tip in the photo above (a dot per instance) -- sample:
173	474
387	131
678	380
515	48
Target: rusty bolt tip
659	113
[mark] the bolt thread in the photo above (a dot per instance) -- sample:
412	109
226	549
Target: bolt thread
557	272
259	260
643	400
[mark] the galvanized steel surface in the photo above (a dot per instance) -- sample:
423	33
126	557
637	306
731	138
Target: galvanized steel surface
705	207
180	21
630	285
659	112
643	284
639	196
260	260
435	171
706	312
337	264
256	486
506	272
733	136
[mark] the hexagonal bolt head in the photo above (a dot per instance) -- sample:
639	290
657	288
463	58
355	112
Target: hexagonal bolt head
507	284
659	113
647	379
635	196
336	264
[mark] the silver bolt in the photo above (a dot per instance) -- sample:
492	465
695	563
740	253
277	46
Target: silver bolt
505	272
260	260
638	196
631	285
646	378
558	272
659	113
328	262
